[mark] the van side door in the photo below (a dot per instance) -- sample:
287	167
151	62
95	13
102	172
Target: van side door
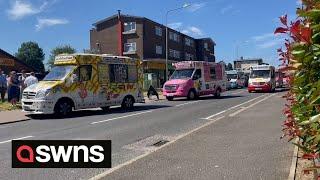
103	98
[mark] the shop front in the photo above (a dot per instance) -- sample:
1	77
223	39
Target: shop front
155	71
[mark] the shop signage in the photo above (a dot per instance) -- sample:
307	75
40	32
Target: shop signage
6	62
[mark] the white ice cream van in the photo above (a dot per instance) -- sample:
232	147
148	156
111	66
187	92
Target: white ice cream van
262	78
82	81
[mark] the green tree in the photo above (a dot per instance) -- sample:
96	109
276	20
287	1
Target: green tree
229	67
31	54
66	49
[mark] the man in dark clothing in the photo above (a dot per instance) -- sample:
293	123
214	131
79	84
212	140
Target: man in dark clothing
152	91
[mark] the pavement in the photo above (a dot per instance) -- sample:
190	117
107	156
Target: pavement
7	117
245	145
234	146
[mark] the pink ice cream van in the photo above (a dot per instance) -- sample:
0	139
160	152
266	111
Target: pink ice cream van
192	79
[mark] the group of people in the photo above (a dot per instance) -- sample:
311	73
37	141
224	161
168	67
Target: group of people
13	85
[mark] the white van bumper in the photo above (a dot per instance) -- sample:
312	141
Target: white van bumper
33	106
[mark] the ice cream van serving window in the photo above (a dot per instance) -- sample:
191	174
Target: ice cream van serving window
123	73
84	73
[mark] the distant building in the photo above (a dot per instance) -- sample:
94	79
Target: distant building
10	63
244	65
144	39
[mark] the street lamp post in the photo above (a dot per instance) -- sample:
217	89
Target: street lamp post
184	6
237	47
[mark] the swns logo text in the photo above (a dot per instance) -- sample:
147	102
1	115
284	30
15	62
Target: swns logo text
61	154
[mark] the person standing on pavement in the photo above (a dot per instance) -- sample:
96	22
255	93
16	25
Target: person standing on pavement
30	80
21	79
3	85
13	88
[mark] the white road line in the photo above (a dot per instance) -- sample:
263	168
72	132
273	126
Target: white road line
100	176
250	106
186	103
3	142
233	107
121	117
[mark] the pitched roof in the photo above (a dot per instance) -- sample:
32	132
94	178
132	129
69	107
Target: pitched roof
16	59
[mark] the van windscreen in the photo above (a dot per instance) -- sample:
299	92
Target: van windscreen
260	74
58	73
182	74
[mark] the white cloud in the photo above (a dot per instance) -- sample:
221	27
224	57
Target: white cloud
20	9
299	2
196	6
42	23
193	31
270	43
226	9
175	25
263	37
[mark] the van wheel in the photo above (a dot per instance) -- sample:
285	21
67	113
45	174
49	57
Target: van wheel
105	108
169	98
192	95
217	94
127	102
63	108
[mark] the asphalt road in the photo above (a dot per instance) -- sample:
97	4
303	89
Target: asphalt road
132	133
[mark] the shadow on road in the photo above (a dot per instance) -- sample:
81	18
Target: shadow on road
84	113
208	98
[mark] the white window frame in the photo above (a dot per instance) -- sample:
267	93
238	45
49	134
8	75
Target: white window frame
206	46
158	49
158	30
132	25
171	53
171	35
132	44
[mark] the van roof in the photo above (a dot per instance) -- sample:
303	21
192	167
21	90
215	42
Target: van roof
100	55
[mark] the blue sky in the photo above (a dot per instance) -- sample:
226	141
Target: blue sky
248	24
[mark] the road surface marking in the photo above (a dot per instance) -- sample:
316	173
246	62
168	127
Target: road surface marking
250	106
216	114
7	141
186	103
121	117
99	176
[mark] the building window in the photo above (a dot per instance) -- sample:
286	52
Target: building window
130	47
174	53
171	52
189	42
171	35
177	54
129	26
174	36
189	57
206	46
205	58
158	31
158	49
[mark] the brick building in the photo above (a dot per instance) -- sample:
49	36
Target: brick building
144	39
244	65
10	63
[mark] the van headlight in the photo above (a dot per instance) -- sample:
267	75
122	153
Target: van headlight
42	94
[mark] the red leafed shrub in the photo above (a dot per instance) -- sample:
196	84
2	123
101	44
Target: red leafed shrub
302	59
